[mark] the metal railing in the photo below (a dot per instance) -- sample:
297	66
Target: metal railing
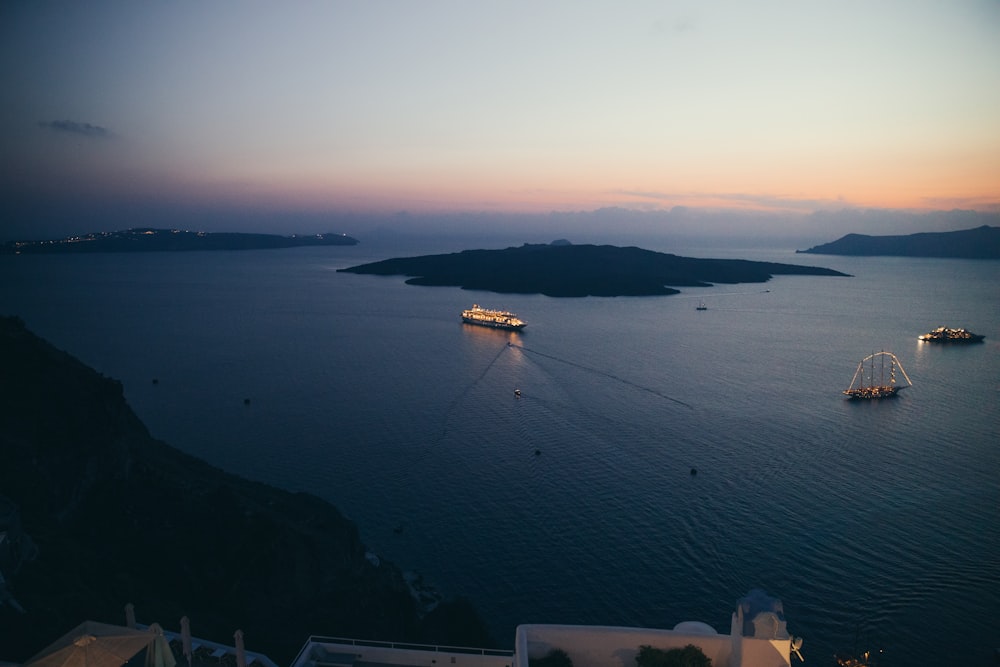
315	640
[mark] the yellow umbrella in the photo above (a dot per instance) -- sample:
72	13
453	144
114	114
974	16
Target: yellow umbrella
93	644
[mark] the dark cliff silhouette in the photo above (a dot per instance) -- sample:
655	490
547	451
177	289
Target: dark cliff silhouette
979	243
564	270
99	514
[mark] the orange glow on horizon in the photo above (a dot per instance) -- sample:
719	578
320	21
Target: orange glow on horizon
783	185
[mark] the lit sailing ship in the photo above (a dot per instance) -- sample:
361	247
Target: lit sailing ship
859	389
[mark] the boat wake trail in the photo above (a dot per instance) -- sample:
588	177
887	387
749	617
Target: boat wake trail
604	374
486	370
453	406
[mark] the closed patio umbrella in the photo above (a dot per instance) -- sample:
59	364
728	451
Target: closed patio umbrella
159	653
130	615
241	653
186	638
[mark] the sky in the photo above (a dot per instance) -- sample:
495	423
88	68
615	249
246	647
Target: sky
297	117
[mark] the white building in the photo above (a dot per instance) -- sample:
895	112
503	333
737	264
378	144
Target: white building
758	638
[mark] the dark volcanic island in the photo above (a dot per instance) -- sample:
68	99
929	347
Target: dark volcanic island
563	270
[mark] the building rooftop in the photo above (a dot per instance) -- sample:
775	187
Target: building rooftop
758	637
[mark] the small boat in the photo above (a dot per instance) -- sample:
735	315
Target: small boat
701	305
876	388
949	335
517	393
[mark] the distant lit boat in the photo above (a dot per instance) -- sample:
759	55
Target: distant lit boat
875	388
497	319
949	335
850	661
701	306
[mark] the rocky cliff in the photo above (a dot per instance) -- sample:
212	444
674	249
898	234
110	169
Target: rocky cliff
105	515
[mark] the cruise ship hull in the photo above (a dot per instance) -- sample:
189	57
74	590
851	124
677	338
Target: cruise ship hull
493	325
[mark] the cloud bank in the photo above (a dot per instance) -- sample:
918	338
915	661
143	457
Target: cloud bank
76	127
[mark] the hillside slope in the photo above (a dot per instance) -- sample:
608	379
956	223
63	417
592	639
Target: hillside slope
105	515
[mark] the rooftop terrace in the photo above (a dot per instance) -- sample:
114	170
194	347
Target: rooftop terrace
758	638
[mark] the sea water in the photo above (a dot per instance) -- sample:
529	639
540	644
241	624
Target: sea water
660	461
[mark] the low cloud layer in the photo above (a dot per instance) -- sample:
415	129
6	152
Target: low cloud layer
768	202
75	127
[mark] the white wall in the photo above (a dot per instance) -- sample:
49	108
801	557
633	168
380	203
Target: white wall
604	646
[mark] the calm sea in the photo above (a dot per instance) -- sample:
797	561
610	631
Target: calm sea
877	524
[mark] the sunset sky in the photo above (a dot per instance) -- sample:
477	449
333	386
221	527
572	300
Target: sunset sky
118	113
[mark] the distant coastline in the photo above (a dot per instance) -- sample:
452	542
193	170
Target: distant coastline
564	270
979	243
147	239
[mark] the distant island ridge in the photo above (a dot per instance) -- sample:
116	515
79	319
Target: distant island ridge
147	239
561	269
978	243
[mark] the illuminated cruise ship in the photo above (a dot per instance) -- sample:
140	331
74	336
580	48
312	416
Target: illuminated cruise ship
949	335
497	319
